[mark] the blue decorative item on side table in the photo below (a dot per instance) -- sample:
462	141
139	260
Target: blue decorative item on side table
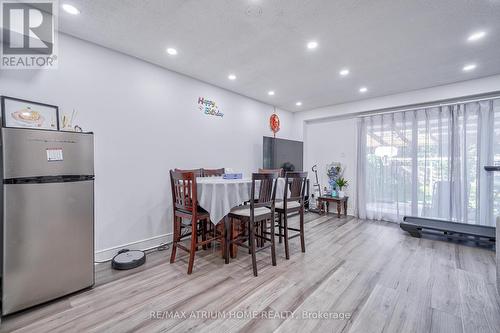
334	171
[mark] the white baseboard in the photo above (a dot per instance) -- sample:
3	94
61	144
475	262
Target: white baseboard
142	244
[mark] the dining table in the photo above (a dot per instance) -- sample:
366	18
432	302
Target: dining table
218	196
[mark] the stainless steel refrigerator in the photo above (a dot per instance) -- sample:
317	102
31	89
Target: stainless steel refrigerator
47	215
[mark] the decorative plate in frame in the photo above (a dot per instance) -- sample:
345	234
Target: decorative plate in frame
28	114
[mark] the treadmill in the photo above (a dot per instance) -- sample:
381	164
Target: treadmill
480	234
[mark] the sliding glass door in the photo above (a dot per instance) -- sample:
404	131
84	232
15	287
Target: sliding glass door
430	163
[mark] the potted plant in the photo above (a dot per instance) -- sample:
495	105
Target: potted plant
341	183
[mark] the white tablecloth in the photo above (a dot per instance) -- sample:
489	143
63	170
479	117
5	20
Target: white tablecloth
218	196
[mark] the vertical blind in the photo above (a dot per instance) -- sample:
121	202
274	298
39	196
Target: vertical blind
430	163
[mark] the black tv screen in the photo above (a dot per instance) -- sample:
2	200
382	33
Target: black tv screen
282	153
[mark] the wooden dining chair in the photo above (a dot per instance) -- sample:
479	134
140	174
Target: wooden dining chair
213	172
185	207
259	210
279	171
205	227
197	172
293	201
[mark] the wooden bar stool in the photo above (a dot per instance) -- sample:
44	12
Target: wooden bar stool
205	227
253	215
295	184
185	207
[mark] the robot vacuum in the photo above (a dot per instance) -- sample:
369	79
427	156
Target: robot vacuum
128	259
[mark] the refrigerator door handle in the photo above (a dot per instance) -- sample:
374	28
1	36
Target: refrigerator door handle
49	179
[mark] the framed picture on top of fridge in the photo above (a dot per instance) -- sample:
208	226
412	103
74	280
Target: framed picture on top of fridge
28	114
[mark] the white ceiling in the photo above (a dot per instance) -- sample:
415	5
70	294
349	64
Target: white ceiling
390	46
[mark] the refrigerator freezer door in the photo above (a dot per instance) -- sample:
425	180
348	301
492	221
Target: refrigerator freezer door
48	242
32	153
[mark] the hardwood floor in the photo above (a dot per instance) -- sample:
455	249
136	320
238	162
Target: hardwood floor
372	272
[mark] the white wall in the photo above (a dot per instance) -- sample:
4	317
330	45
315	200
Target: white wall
333	141
146	121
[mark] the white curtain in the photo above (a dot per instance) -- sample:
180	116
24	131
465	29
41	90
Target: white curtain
430	163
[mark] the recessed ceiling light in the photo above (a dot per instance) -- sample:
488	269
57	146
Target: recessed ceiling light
231	77
298	103
468	68
344	72
171	51
312	45
476	36
270	93
70	9
363	89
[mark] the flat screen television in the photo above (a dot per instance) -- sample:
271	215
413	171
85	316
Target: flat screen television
282	153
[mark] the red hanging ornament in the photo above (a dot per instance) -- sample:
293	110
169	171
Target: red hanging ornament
274	123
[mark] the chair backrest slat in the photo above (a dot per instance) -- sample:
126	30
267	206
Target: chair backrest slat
267	190
184	194
295	186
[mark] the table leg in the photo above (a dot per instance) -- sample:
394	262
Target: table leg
234	234
345	208
327	207
204	233
227	233
280	228
338	208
